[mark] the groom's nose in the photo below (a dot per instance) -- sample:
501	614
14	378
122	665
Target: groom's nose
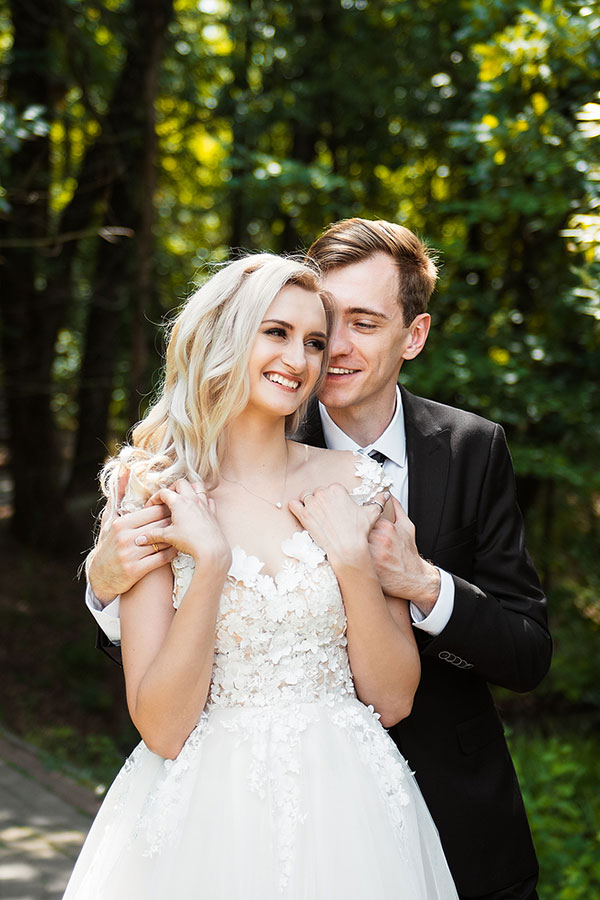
341	344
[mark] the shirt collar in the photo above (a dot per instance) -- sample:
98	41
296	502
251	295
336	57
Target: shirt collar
392	442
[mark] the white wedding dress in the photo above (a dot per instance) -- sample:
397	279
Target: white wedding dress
288	788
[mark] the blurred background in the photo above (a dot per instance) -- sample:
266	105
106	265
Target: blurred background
140	140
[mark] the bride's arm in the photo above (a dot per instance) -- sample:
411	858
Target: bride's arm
168	654
381	646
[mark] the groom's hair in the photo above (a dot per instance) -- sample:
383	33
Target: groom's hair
354	240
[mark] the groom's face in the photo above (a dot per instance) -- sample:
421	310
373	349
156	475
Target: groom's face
371	341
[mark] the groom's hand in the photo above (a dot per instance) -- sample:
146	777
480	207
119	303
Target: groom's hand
401	570
118	562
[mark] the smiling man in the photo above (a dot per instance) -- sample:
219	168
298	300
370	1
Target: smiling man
456	551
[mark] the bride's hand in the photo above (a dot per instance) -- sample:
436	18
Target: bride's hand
336	523
193	528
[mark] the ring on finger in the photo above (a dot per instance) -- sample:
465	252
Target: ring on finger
376	502
304	496
156	548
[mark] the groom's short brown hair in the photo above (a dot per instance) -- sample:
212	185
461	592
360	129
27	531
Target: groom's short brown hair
354	240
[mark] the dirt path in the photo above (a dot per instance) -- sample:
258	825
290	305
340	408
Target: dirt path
44	818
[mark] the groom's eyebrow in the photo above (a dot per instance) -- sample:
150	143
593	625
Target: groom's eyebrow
365	311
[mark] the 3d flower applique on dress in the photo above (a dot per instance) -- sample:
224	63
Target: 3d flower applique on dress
183	569
373	479
302	547
289	576
243	567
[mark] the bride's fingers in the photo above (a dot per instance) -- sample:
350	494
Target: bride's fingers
165	496
297	509
374	508
195	491
154	537
122	485
182	486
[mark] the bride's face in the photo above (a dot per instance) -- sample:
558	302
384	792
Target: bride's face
287	352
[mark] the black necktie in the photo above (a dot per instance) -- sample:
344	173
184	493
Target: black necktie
378	456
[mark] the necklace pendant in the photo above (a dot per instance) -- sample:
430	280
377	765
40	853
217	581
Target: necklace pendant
278	504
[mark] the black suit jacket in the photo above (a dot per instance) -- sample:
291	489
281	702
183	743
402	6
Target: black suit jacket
462	502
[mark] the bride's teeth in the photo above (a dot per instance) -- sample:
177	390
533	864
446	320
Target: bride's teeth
332	370
279	379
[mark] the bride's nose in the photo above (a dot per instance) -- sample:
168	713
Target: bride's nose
294	356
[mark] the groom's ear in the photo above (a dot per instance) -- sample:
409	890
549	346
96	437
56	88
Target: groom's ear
419	329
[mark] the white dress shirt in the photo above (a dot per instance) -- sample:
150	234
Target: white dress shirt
108	618
392	443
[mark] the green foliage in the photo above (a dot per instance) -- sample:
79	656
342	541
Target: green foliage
558	775
92	759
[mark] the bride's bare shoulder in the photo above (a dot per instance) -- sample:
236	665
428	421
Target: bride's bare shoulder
329	466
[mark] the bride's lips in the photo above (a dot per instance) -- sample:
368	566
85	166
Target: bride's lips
285	382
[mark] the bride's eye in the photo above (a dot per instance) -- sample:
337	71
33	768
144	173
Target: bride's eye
276	332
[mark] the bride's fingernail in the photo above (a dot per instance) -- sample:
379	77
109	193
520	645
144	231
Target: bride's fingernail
141	540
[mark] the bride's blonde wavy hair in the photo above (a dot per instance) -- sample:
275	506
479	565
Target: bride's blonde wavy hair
205	383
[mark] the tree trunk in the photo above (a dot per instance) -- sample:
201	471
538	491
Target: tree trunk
122	286
37	266
31	313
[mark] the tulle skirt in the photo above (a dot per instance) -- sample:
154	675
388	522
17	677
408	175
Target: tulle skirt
304	802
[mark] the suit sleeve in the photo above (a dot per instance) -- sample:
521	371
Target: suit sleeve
499	625
113	651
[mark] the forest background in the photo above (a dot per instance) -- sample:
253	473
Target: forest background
140	140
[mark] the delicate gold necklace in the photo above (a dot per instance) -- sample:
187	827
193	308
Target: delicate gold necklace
279	503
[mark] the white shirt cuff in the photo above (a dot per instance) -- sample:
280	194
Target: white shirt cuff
439	616
108	618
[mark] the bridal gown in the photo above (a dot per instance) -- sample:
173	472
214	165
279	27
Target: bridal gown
288	788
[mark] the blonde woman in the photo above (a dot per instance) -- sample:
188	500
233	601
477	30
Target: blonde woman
262	664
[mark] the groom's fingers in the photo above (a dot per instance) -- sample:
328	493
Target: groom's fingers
154	561
400	517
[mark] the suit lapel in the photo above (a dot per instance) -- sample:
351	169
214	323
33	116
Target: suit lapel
428	454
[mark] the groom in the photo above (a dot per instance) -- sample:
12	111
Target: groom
456	552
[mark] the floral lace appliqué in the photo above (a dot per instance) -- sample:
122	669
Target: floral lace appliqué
373	479
381	756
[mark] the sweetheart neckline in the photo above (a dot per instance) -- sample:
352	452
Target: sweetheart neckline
289	557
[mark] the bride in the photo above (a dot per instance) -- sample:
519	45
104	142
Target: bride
262	665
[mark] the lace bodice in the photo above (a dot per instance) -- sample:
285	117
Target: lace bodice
282	639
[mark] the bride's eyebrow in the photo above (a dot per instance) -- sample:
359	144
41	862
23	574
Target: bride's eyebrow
278	322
